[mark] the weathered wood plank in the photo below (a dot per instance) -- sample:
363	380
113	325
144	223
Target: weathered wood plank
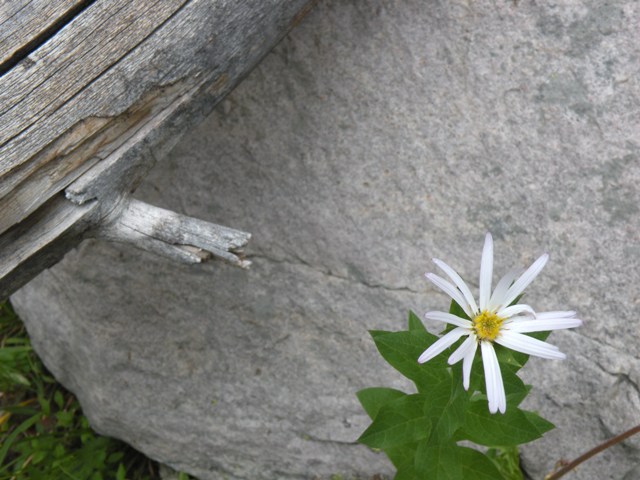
41	241
89	112
101	37
77	151
23	22
200	42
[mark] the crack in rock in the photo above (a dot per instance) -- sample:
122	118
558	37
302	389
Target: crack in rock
327	272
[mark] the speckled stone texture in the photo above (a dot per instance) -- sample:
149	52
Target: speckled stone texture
376	136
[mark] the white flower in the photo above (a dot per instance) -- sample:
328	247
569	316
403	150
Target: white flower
494	319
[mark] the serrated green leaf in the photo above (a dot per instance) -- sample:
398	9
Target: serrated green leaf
372	399
415	323
402	349
476	466
400	422
438	461
515	399
541	424
492	430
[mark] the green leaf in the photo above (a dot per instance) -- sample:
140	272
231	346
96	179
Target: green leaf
402	349
438	461
457	310
397	423
406	472
58	451
540	423
511	428
506	356
45	405
476	466
514	388
507	461
58	399
65	419
445	405
415	323
121	473
115	457
372	399
403	456
28	423
9	378
38	456
13	353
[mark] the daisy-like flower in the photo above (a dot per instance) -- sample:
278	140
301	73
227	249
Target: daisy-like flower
494	320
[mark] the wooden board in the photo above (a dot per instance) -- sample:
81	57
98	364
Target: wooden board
115	88
24	25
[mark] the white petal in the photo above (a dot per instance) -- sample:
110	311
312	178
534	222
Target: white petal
442	344
529	345
547	315
501	288
450	290
448	318
457	280
525	279
486	271
542	325
462	350
514	310
467	363
493	379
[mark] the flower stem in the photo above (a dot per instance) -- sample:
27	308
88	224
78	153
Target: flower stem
587	455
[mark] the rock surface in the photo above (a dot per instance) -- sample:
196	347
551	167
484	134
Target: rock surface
371	139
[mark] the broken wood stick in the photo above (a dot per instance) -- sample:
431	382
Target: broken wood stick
173	235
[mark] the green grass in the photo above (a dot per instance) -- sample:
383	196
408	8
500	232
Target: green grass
43	433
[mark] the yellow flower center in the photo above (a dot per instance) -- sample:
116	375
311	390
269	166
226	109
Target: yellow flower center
487	325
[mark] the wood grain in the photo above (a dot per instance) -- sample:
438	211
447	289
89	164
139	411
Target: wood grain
89	111
41	241
22	22
176	236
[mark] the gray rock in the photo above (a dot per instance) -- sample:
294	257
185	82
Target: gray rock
633	474
371	139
